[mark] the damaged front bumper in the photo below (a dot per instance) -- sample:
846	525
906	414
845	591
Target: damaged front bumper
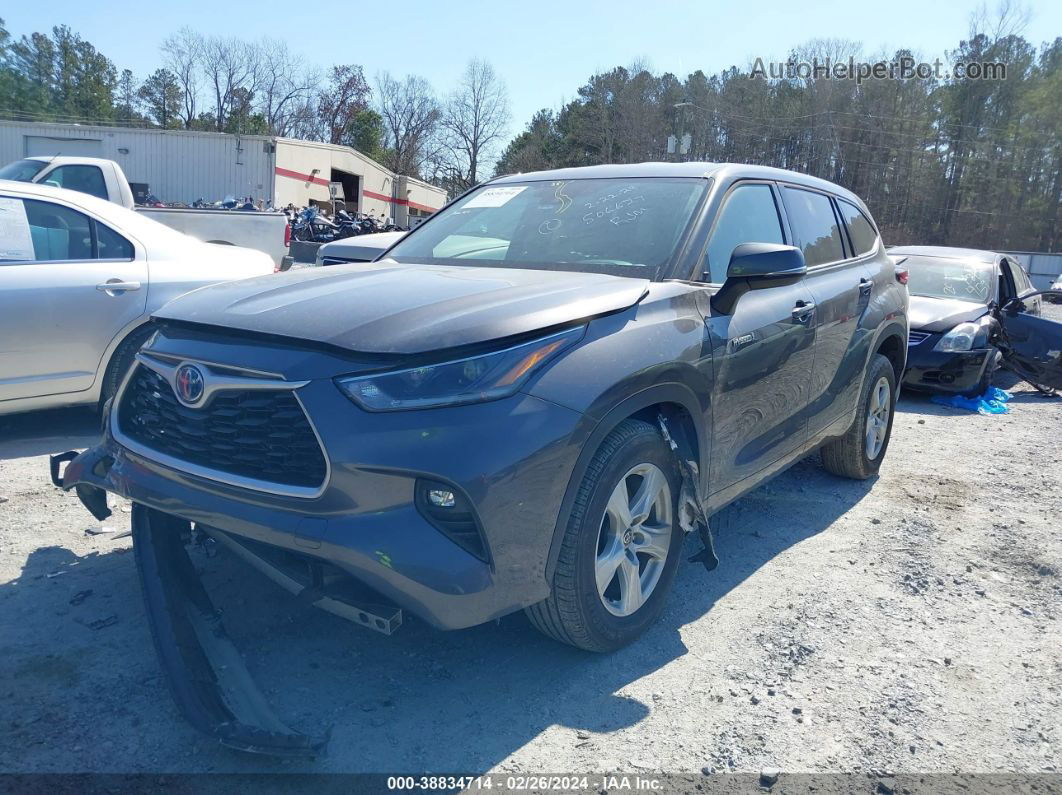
207	677
204	670
952	372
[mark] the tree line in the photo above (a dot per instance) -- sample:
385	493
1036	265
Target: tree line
231	85
946	161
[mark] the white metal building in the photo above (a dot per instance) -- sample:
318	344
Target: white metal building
182	166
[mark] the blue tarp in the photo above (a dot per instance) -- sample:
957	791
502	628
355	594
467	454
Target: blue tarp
993	401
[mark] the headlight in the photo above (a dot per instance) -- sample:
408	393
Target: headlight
478	378
963	337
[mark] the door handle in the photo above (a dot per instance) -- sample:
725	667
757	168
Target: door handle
865	286
803	311
113	286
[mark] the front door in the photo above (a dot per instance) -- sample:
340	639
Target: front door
68	286
763	349
1032	344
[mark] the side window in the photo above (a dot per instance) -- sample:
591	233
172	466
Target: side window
814	225
57	232
110	244
863	234
1021	280
749	215
87	179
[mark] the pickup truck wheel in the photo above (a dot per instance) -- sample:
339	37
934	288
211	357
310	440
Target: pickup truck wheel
621	548
122	360
858	454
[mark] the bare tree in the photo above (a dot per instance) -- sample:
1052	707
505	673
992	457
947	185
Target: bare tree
346	93
183	53
230	65
474	122
283	85
411	116
302	123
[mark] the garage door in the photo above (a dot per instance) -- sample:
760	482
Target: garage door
37	145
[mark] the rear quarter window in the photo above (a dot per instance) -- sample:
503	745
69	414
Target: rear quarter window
111	245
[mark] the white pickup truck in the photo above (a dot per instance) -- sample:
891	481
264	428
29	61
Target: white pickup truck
265	231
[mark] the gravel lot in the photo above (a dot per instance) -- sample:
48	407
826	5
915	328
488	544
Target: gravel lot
907	624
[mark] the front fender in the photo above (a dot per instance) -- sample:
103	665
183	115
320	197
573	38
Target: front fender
672	393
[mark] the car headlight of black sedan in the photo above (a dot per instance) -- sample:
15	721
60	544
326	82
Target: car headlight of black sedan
964	337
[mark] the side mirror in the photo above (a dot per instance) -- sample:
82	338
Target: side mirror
1015	305
754	266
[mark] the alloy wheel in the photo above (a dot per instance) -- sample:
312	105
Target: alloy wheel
878	413
634	539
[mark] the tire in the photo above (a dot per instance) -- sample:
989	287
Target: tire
633	457
849	456
122	360
986	378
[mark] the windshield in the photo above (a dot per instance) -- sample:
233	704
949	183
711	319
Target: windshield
623	227
22	170
943	277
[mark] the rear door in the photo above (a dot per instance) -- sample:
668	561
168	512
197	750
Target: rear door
841	283
68	285
762	351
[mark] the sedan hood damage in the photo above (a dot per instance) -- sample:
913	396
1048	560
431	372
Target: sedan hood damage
389	308
942	314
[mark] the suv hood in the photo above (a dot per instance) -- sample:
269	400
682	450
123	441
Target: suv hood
403	309
941	314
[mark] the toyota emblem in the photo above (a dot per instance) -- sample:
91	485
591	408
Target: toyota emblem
189	384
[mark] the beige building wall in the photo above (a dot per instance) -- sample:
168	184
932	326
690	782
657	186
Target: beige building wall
304	170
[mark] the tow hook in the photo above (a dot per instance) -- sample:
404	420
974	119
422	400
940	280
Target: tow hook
691	506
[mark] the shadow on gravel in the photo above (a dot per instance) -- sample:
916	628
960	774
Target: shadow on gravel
421	700
47	432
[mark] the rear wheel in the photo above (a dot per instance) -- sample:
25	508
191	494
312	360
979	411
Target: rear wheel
858	454
621	547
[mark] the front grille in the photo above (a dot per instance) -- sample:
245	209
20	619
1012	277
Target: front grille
916	337
259	434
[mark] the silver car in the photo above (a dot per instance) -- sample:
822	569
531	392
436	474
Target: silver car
361	248
79	279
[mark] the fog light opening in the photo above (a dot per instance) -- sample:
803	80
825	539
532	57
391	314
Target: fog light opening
450	512
441	498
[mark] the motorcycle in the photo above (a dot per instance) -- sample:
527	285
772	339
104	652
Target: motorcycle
346	225
311	227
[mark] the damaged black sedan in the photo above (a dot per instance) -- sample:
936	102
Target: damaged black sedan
525	404
972	311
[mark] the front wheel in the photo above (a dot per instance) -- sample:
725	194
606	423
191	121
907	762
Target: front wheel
858	454
621	548
122	361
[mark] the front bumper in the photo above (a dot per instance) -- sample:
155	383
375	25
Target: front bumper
935	371
511	458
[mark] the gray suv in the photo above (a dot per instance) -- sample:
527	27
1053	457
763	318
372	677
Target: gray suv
524	404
